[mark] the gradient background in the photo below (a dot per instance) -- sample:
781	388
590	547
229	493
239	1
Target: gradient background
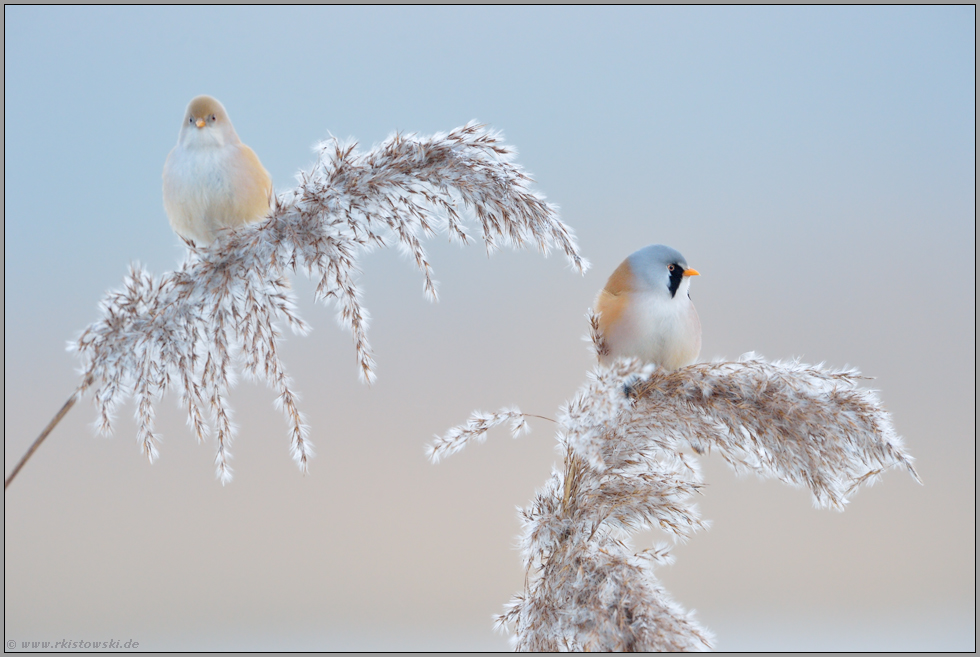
816	165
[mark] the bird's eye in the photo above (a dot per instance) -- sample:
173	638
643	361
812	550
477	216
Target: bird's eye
670	268
190	119
213	117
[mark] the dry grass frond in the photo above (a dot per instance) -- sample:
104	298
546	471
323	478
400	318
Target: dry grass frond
193	329
625	437
476	428
802	424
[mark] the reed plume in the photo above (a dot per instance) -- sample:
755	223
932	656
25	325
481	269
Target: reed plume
220	313
630	439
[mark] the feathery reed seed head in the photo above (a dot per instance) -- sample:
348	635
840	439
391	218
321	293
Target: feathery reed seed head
219	313
625	438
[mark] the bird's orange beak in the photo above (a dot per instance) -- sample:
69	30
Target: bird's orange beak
200	123
691	272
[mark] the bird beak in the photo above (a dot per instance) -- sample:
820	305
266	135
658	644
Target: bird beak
200	123
691	272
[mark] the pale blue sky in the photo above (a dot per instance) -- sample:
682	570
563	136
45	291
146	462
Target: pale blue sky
817	165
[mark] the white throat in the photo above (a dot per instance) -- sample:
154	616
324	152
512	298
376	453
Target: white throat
658	328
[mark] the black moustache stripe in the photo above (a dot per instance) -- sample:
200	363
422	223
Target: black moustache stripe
676	274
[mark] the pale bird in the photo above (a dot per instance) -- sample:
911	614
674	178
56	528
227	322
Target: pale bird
211	180
645	310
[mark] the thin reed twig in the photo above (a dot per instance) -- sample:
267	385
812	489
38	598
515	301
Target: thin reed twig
47	430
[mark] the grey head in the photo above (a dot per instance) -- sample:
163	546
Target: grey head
658	268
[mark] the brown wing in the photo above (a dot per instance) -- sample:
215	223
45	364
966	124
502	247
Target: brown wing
257	194
613	298
621	280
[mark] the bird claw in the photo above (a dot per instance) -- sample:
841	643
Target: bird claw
630	388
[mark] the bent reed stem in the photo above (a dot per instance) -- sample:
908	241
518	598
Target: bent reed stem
47	430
